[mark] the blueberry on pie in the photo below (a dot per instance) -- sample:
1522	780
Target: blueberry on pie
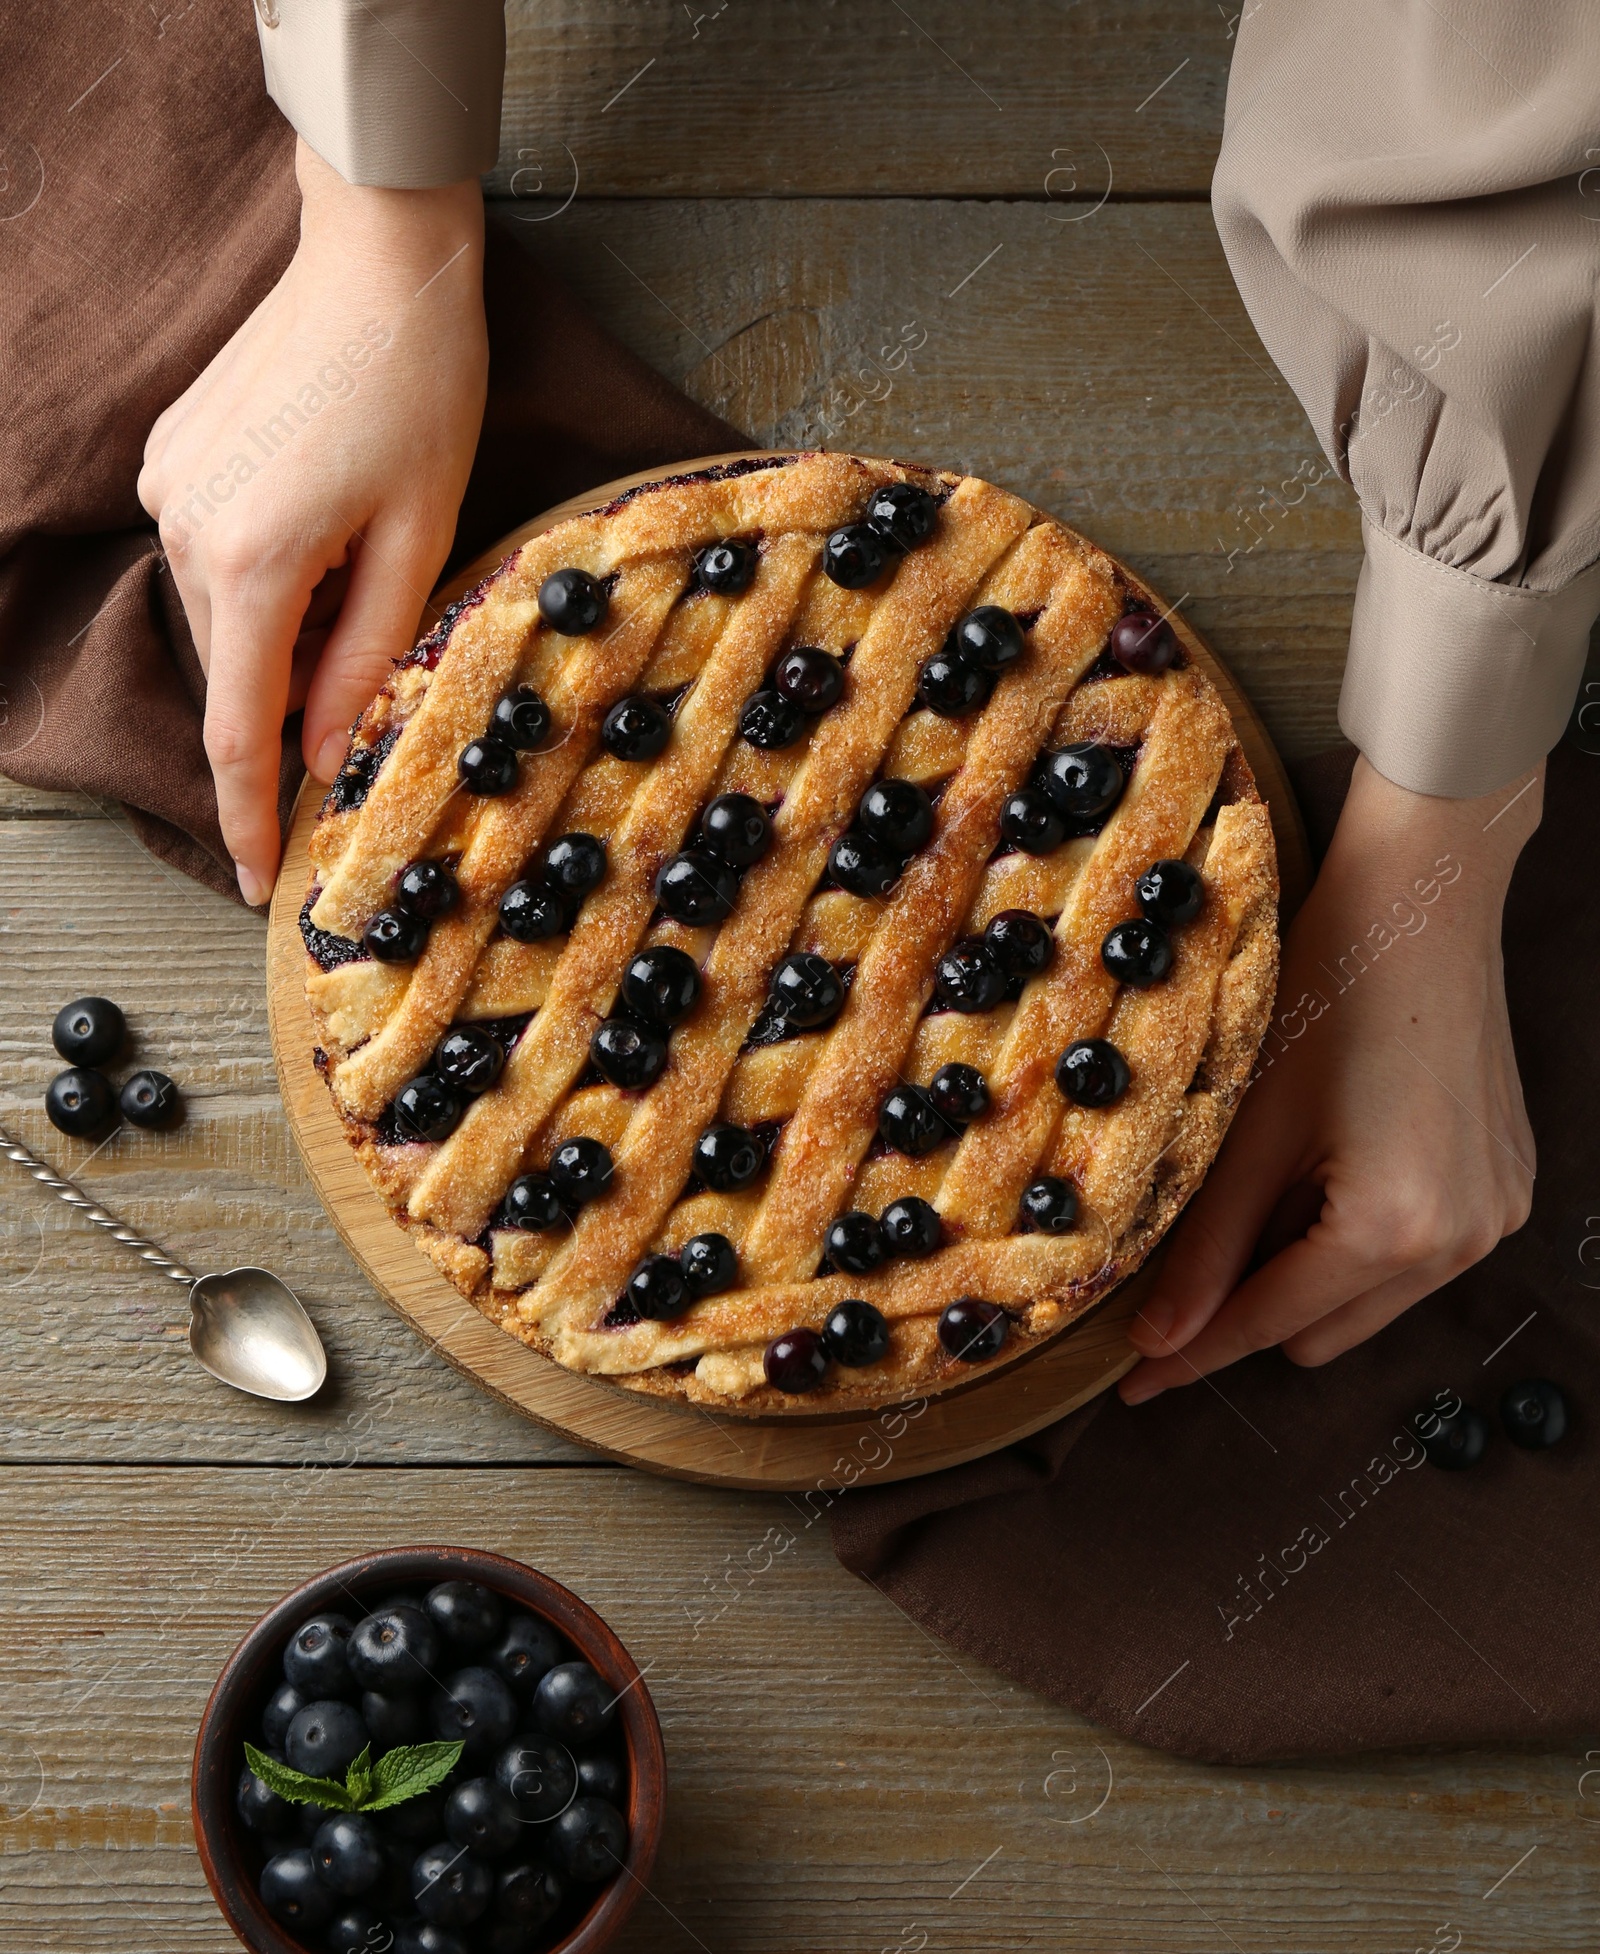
794	936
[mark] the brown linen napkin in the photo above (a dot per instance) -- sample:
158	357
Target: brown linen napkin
143	216
1260	1567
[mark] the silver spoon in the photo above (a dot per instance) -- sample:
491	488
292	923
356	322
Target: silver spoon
246	1327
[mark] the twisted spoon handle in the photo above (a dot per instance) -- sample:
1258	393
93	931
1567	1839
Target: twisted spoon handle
92	1211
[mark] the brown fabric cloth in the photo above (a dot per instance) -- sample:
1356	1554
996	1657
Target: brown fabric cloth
165	210
1118	1561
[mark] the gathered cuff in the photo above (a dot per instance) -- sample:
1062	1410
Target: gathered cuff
1456	685
403	94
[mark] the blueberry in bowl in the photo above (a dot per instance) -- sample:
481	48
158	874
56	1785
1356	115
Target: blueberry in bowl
430	1749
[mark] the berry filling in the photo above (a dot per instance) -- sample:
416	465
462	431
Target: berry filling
326	950
353	782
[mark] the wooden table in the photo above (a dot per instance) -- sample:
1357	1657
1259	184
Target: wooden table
773	200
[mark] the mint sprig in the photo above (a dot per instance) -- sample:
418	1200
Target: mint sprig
407	1772
402	1773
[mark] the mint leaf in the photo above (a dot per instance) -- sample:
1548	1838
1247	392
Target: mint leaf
358	1779
407	1772
299	1789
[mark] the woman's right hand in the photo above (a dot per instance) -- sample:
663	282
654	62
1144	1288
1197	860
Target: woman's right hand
1383	1147
307	484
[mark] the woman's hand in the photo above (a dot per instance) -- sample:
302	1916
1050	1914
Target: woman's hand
307	484
1383	1147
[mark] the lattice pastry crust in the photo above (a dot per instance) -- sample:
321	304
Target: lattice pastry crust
809	1092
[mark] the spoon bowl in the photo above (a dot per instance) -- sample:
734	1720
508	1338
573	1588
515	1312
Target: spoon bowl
250	1329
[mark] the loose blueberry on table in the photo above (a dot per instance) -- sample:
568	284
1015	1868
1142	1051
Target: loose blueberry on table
1452	1441
1534	1414
82	1101
491	1840
79	1102
88	1031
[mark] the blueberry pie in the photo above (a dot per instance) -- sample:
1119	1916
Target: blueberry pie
793	936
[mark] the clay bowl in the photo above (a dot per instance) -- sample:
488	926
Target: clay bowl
232	1855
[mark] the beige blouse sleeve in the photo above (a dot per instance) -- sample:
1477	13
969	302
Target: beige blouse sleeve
1409	197
402	93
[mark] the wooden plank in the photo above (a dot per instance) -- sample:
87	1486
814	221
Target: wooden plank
652	97
19	803
92	1346
1106	370
863	1790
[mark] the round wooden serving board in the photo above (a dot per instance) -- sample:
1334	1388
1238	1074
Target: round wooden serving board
822	1451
